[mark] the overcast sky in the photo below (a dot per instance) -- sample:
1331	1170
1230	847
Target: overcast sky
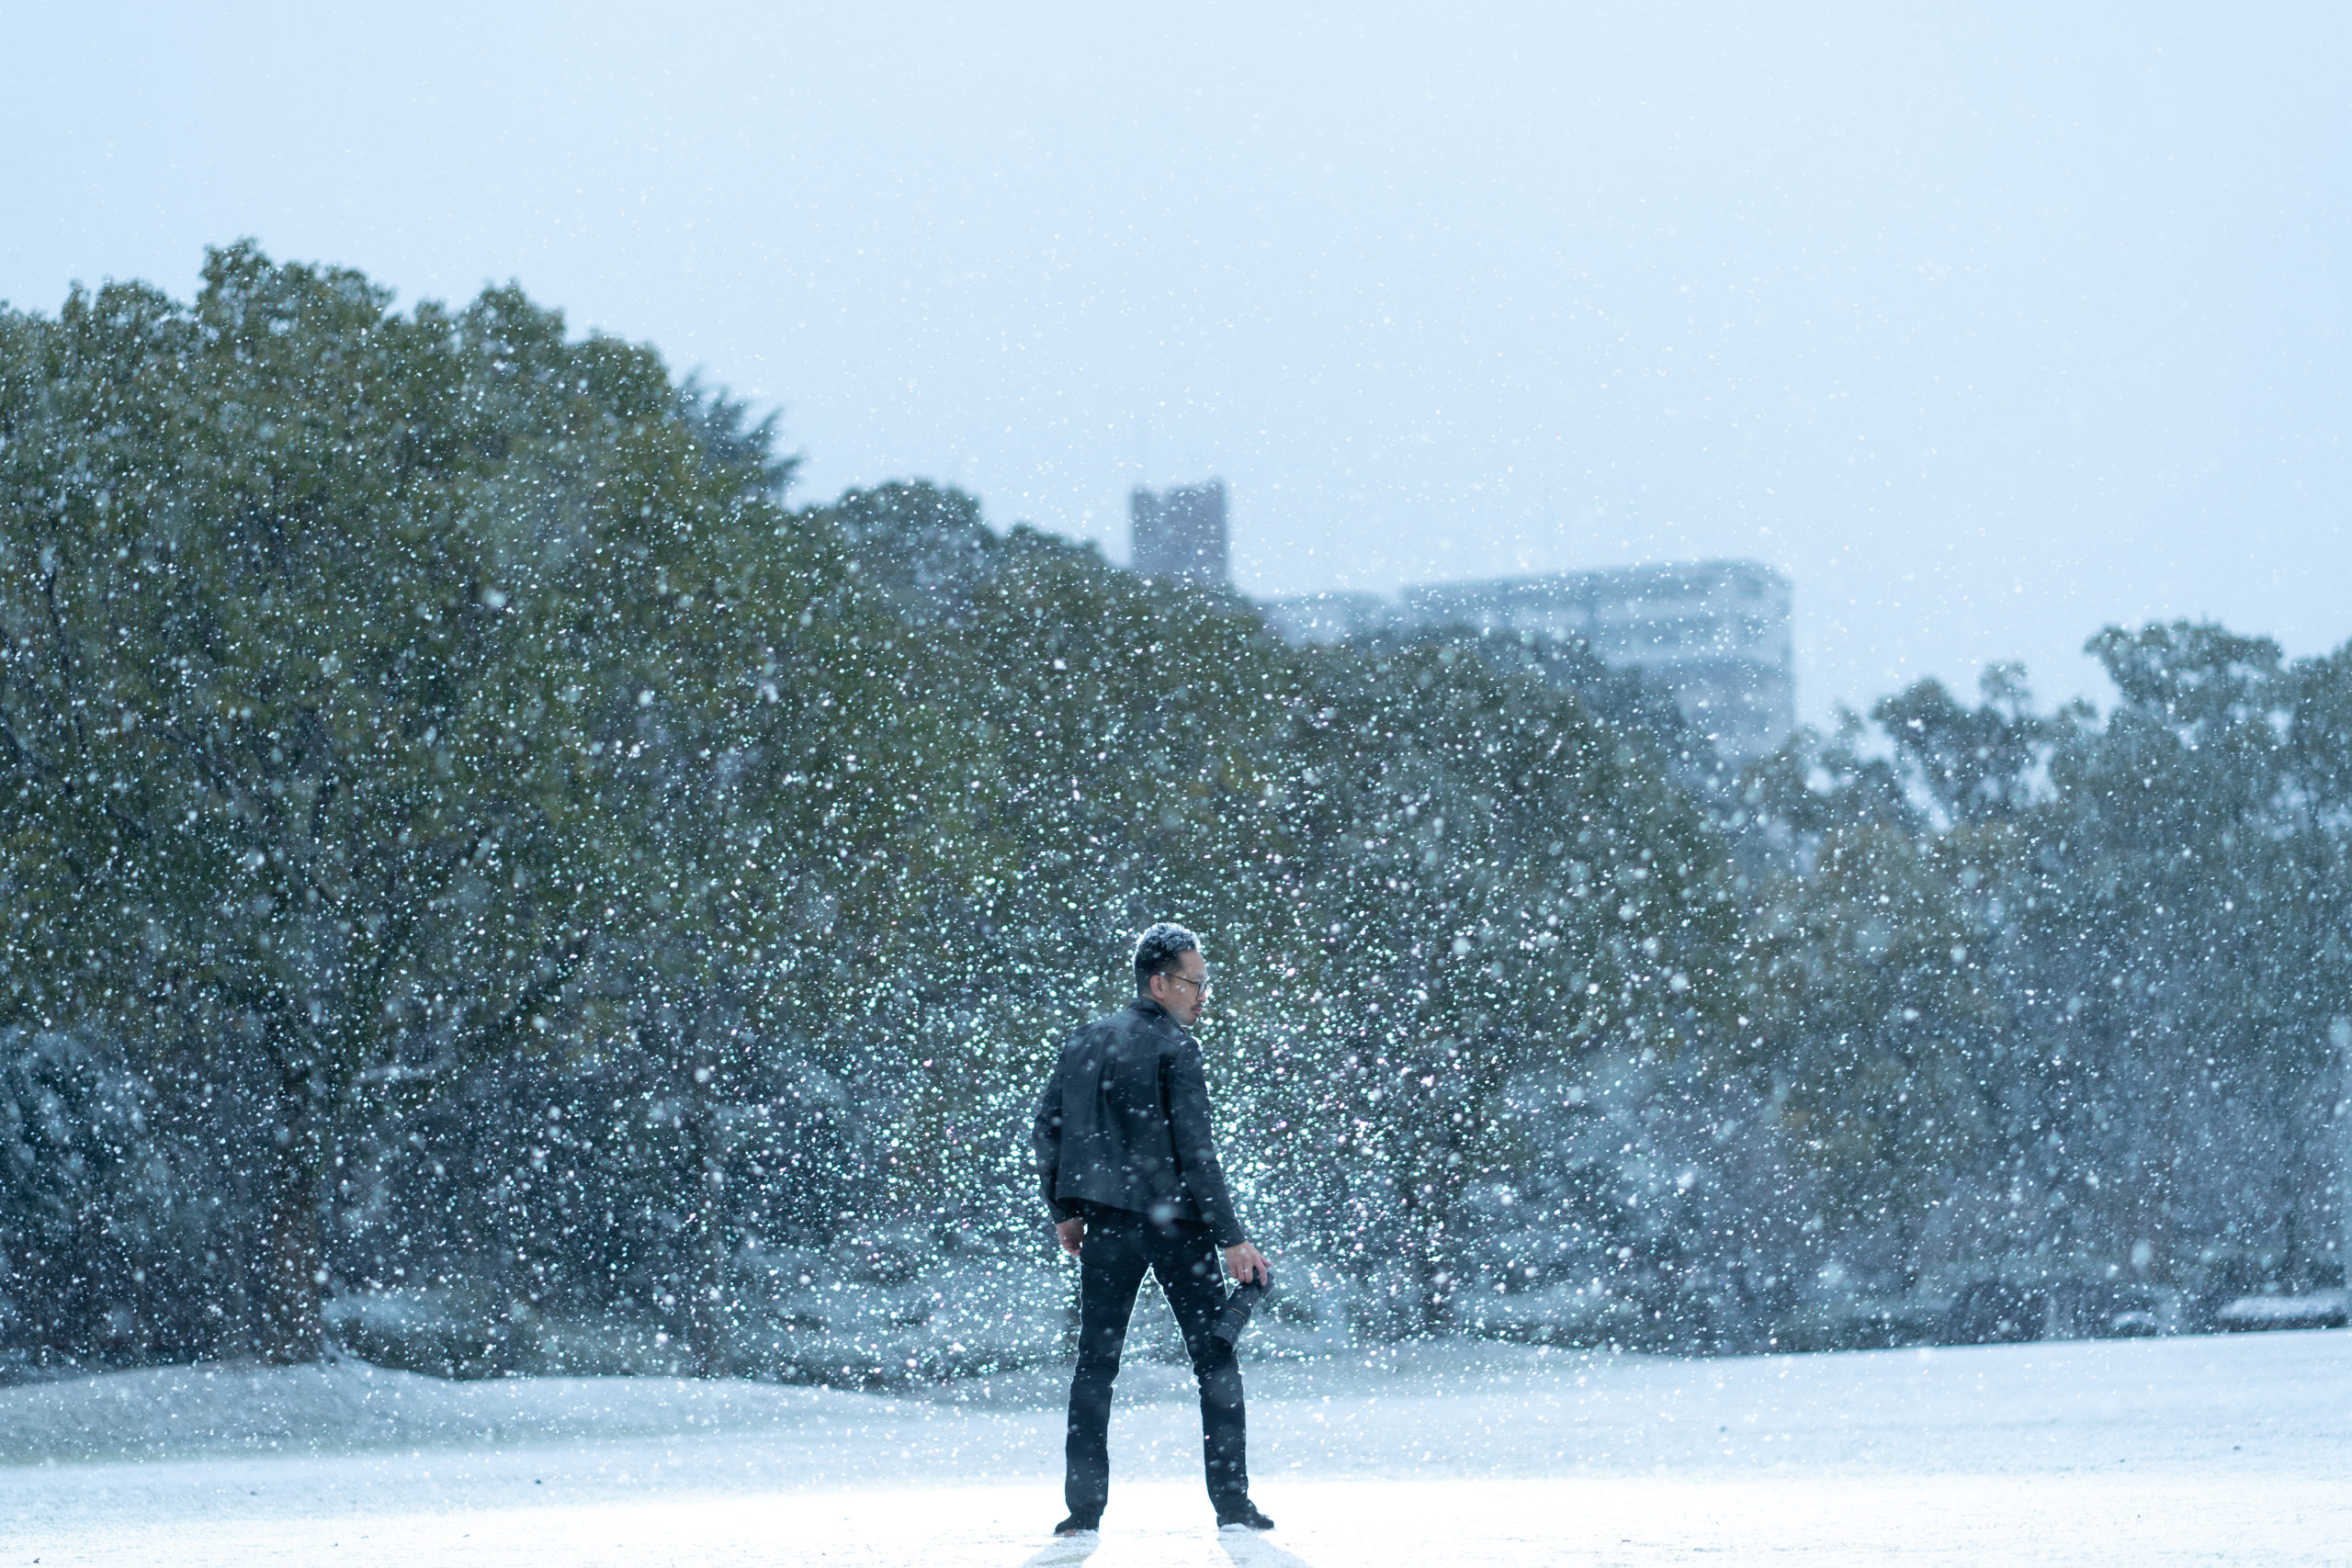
1987	326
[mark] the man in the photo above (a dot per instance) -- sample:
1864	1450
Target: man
1131	1177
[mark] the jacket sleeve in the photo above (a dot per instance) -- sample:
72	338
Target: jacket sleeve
1188	1120
1046	1140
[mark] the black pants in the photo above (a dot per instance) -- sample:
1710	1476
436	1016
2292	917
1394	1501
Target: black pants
1119	1246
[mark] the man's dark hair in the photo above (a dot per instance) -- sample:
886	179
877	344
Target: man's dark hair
1160	951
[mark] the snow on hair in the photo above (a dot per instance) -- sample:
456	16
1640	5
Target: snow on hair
1157	950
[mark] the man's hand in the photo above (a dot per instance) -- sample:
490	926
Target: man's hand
1071	1232
1247	1265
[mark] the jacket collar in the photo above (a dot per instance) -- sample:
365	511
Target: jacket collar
1152	1012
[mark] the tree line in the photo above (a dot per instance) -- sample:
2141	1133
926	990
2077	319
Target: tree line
465	828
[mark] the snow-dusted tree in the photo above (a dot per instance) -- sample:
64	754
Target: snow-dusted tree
363	673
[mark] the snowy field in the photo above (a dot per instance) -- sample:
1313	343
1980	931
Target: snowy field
2233	1449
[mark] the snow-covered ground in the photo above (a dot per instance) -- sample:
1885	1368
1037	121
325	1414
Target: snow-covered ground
2230	1448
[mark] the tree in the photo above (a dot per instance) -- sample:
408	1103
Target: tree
306	606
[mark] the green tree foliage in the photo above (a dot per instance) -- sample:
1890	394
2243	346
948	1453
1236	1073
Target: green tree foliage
462	827
332	636
2186	919
2077	1001
1421	873
1867	990
389	696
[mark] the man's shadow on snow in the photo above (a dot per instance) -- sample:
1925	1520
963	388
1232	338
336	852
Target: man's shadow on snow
1256	1551
1245	1551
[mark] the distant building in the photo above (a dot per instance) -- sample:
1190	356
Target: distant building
1715	632
1180	531
1330	617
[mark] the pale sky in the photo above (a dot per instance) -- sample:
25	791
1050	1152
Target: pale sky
1989	326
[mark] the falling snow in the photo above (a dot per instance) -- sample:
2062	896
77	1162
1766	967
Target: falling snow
499	893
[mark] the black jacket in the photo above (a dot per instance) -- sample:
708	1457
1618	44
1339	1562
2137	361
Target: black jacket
1124	1122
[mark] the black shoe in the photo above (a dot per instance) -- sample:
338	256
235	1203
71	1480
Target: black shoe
1075	1525
1245	1518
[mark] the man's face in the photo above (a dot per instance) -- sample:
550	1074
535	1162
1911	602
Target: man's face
1183	992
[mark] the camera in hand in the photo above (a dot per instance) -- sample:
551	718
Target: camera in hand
1236	1316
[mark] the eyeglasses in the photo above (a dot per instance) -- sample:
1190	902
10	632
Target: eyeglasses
1204	985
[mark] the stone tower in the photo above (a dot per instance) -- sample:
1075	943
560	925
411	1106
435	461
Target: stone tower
1180	531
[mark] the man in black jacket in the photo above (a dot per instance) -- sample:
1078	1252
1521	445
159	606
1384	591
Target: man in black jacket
1131	1176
